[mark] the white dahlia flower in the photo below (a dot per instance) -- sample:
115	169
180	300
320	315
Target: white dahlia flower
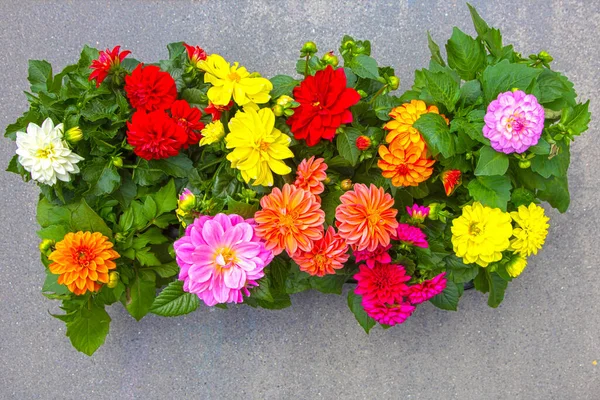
43	152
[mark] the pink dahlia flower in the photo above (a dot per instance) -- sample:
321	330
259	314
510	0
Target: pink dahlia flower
382	283
388	314
411	235
417	213
426	290
380	255
220	258
514	122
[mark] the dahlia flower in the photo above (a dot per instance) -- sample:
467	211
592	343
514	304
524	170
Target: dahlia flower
388	313
384	282
107	62
426	290
43	152
405	166
325	103
481	234
311	174
532	228
400	127
451	179
290	219
363	142
411	235
327	255
150	89
188	118
195	54
154	135
82	260
236	81
365	217
514	122
212	133
380	255
215	110
516	265
220	258
258	146
417	213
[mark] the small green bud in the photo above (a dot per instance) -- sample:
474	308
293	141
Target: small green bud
346	184
360	49
284	101
393	82
74	135
278	110
330	59
308	49
362	93
469	155
348	44
117	161
327	181
113	279
46	244
119	237
545	57
524	164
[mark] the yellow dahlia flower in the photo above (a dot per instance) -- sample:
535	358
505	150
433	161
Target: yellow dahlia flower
532	228
258	146
232	80
212	133
516	265
481	234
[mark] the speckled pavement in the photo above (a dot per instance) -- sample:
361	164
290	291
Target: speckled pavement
539	344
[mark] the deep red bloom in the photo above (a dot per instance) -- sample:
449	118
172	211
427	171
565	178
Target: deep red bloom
451	180
386	313
426	290
195	54
382	283
107	60
189	119
216	110
155	135
150	89
324	105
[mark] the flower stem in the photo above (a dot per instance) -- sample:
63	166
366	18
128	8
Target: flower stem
306	66
377	94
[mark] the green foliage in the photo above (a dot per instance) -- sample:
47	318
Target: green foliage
283	84
506	76
437	134
346	145
448	299
87	328
491	162
173	301
355	305
465	54
492	191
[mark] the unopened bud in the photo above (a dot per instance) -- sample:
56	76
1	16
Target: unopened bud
117	161
348	44
284	101
113	279
327	181
46	245
434	209
330	59
119	237
545	57
524	164
308	49
363	143
278	110
362	93
74	134
393	82
346	184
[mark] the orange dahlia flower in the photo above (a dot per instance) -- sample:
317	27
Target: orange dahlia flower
310	175
404	116
404	166
327	255
82	260
290	219
366	217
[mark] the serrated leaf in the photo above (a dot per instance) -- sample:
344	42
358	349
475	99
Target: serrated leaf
282	85
442	88
88	329
346	145
83	218
241	208
491	162
470	92
492	191
172	301
166	270
465	54
383	105
355	305
435	50
522	196
505	76
178	166
39	75
437	134
553	86
166	198
364	66
458	271
102	177
556	193
576	119
448	299
141	294
147	258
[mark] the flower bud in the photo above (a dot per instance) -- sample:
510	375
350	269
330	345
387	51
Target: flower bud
363	143
516	265
119	237
327	181
117	161
524	164
308	49
187	200
393	82
434	209
330	59
74	134
451	180
360	49
346	184
362	93
113	279
545	57
284	101
278	110
348	44
46	245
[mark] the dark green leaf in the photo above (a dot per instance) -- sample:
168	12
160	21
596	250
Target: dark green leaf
470	92
448	299
172	301
178	166
83	218
522	196
39	75
443	88
505	76
497	288
166	270
364	66
282	84
556	193
329	203
166	198
437	134
435	50
88	330
147	258
328	283
576	119
458	271
491	162
492	191
241	208
141	294
346	145
102	177
355	305
465	54
554	86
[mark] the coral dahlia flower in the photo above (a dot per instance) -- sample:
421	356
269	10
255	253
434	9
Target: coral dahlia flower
365	218
220	258
83	260
405	166
325	103
290	219
411	235
150	89
189	119
311	174
155	135
426	290
107	62
403	117
327	255
388	313
532	228
383	283
380	255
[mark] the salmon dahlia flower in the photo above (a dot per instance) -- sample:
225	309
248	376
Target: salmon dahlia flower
290	219
311	174
327	255
405	166
365	218
150	89
83	260
107	62
532	228
220	258
403	117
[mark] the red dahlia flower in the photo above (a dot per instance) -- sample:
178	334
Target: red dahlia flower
324	105
451	179
155	135
215	110
383	283
150	89
195	54
189	119
106	62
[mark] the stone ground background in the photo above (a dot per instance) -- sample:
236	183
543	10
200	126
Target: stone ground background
539	344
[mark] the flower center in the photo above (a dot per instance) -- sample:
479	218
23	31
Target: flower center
225	257
46	152
474	229
233	76
374	218
320	260
515	123
83	256
288	220
264	146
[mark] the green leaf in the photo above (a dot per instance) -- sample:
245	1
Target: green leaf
480	25
505	76
471	129
497	288
437	134
194	96
88	330
178	166
492	191
329	203
282	85
522	196
576	119
166	198
465	54
39	75
140	296
172	301
470	92
88	54
383	104
145	175
364	66
346	145
556	166
147	258
448	299
481	281
443	88
435	50
279	270
48	214
53	232
458	271
166	270
491	162
328	283
556	193
83	218
554	86
102	176
51	284
491	36
241	208
355	305
226	184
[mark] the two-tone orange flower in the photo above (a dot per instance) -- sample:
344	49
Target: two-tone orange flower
451	180
405	166
327	255
311	174
82	260
403	117
290	219
366	218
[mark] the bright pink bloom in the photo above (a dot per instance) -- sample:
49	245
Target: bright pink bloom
426	290
411	235
417	213
107	61
388	314
220	258
382	283
380	255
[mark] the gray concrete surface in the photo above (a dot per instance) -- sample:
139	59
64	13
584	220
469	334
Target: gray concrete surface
540	343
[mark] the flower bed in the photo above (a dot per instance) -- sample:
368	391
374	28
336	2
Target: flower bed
193	181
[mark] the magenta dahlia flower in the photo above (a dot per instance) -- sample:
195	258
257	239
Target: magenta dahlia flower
411	235
426	290
388	314
417	213
380	255
220	258
382	283
514	122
